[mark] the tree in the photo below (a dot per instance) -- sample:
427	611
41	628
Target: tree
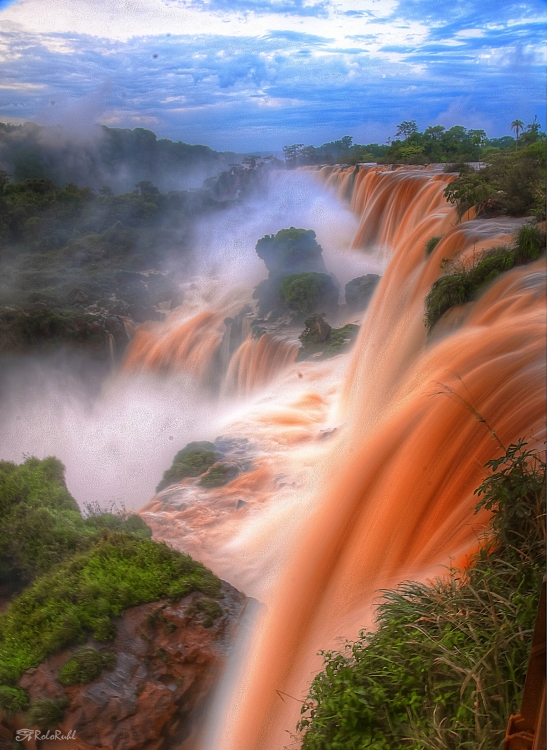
4	180
406	129
517	126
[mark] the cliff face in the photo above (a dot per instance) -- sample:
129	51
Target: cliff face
168	658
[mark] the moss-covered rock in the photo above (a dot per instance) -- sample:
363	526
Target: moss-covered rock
85	665
291	250
306	293
360	290
318	338
192	461
218	476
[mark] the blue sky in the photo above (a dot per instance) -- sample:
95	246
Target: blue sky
260	74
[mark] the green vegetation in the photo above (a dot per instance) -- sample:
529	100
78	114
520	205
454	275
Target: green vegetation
85	666
289	249
446	665
305	293
192	461
82	573
41	524
47	713
410	146
117	156
431	244
78	598
12	700
512	183
462	283
217	476
318	336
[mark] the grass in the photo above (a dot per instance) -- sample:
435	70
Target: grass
41	524
46	713
80	597
446	666
461	283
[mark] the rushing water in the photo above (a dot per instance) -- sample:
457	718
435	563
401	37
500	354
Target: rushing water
356	472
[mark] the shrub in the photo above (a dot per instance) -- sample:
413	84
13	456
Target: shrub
432	243
12	700
318	336
192	461
530	243
446	666
46	713
463	283
79	597
85	665
305	293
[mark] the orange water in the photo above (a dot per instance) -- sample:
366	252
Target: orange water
396	496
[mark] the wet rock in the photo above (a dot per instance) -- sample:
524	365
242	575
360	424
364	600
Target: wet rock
360	290
168	658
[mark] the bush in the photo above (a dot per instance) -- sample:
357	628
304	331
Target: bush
78	598
85	665
305	293
431	244
192	461
446	666
46	713
530	243
463	283
13	700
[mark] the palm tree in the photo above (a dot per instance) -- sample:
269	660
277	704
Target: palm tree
517	125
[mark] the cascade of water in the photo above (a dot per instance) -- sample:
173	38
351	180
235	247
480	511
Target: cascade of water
398	483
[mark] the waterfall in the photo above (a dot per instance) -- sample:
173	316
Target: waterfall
396	499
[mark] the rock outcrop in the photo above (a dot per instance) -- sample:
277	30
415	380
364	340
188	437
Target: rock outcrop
168	658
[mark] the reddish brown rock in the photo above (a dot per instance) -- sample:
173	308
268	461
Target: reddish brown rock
167	664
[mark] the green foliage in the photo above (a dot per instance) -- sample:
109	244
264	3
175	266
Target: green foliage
289	249
192	461
41	524
462	283
13	700
46	713
432	243
305	293
512	183
530	243
217	476
85	665
360	290
318	336
446	665
79	597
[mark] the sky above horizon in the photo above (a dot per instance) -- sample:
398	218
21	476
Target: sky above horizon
259	74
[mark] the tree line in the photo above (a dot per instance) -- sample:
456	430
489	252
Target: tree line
411	146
